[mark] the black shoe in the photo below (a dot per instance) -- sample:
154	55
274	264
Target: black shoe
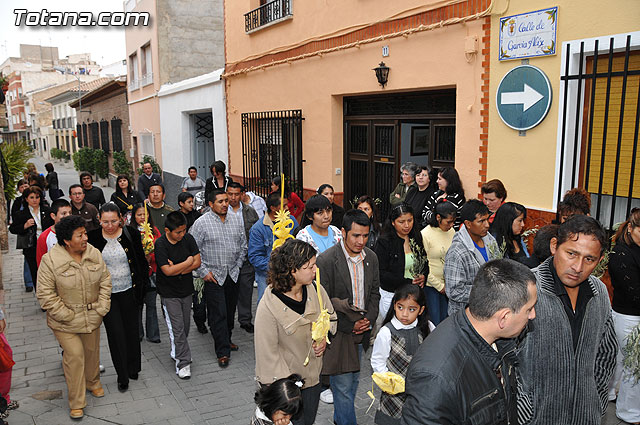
155	341
234	347
247	327
133	376
123	387
202	329
28	288
223	361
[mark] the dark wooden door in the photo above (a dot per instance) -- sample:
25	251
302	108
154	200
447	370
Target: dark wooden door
372	160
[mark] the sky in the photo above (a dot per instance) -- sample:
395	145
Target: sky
106	44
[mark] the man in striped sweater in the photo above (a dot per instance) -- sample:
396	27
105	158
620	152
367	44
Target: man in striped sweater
569	353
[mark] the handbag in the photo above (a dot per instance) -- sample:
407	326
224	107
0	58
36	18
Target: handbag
25	241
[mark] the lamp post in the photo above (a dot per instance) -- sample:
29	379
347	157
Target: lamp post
382	73
68	72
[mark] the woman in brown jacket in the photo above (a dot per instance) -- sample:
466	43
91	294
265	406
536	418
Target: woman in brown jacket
74	287
283	323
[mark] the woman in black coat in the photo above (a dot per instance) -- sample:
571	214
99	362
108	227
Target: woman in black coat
121	248
31	221
397	245
624	269
52	182
125	197
218	179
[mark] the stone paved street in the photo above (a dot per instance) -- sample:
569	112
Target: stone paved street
212	396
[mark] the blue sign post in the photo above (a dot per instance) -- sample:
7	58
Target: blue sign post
523	97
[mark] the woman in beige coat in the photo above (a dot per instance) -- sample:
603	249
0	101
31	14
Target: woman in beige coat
74	287
283	323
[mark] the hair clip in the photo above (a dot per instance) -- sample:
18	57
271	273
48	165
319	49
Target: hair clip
298	384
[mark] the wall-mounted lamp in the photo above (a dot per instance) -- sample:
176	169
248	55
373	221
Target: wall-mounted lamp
382	73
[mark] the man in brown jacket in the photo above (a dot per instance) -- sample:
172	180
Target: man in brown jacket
349	271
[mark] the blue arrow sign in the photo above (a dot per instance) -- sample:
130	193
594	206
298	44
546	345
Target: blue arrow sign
524	97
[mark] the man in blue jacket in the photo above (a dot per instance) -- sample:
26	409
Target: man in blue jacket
261	241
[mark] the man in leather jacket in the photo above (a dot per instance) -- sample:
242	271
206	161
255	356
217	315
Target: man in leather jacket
464	372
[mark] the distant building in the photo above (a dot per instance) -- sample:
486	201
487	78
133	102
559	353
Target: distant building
41	115
33	70
114	70
64	120
103	121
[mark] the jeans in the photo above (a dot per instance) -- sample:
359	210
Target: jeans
261	280
344	387
151	317
28	281
437	305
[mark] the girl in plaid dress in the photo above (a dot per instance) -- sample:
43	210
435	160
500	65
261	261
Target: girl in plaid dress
279	402
402	332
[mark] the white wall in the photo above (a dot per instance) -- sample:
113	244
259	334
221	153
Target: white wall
204	93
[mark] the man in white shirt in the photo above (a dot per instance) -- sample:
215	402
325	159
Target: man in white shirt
193	184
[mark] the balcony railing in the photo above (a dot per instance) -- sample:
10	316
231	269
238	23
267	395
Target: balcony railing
269	13
133	84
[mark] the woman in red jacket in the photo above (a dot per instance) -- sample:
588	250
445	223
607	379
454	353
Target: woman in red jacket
295	204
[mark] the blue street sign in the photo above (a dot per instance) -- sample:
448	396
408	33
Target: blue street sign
523	97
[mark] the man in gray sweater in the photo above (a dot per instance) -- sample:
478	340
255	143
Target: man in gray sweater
568	355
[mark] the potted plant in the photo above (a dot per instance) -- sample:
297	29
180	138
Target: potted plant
4	83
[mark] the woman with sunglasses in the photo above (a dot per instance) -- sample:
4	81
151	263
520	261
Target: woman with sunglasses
122	252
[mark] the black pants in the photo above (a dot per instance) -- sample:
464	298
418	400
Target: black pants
310	401
221	308
121	323
245	293
200	308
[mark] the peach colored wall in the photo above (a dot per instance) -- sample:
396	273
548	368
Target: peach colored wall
427	60
145	115
527	165
311	19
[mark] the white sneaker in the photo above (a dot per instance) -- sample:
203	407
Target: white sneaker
327	396
255	284
101	369
185	372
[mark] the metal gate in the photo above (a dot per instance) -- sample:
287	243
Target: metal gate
600	90
203	148
272	145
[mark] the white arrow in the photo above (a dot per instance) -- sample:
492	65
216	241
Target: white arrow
527	98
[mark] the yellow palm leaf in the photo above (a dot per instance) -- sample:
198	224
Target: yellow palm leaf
389	382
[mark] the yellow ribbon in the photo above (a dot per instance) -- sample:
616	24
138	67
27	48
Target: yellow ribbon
319	328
